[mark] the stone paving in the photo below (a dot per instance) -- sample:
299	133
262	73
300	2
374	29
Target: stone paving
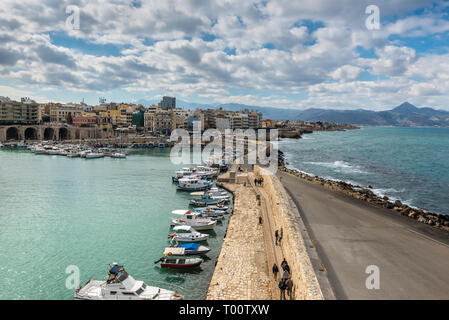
241	272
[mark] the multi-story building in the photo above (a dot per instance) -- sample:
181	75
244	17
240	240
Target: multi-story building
63	112
158	121
168	103
15	112
84	121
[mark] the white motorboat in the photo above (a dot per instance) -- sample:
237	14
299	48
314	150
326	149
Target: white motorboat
94	155
189	249
193	184
73	154
187	234
193	219
121	286
184	172
118	155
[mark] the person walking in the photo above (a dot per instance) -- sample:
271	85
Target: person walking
283	263
282	287
289	285
275	271
286	275
260	219
276	235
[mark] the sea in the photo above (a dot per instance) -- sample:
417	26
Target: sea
406	164
60	214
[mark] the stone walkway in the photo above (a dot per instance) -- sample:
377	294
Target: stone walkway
242	271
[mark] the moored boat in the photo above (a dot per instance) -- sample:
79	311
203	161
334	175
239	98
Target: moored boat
193	219
121	286
187	234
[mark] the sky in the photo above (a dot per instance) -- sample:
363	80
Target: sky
280	53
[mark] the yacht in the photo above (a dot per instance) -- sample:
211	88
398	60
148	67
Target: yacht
194	220
121	286
118	155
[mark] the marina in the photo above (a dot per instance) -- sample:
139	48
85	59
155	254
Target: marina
89	213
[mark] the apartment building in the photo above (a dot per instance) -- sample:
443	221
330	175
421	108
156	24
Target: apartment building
14	112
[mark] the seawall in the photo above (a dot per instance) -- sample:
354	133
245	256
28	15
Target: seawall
243	269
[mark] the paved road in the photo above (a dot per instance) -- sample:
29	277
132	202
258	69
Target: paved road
350	235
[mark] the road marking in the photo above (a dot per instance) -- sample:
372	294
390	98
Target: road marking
428	238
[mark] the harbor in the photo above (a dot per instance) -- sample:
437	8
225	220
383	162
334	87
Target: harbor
89	214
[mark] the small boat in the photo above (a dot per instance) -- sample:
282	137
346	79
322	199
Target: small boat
73	154
191	249
193	184
210	210
187	234
193	219
174	260
121	286
205	201
118	155
94	155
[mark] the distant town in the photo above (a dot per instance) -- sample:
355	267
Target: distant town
28	120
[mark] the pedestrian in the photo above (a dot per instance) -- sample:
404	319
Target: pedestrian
275	271
286	267
282	287
285	275
260	219
289	285
283	263
255	181
276	235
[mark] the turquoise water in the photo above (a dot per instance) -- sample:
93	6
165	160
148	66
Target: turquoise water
57	211
409	164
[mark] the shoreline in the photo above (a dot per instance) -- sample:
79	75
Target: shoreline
365	193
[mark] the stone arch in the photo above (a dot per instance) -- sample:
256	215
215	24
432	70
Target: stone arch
49	134
12	133
63	134
30	134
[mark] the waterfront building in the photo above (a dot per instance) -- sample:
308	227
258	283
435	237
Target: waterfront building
158	121
62	113
85	121
14	112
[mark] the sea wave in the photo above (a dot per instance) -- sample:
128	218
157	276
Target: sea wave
339	166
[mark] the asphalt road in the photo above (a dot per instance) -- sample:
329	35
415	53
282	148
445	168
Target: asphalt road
351	235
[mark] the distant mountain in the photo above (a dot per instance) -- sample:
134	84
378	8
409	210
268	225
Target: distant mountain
404	115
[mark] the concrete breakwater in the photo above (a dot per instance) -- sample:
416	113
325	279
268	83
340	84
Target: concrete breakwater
364	193
292	245
243	269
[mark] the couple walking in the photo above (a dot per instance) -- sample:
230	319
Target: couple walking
286	283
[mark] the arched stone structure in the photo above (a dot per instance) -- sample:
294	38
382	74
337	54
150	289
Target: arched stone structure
49	133
30	133
63	134
12	133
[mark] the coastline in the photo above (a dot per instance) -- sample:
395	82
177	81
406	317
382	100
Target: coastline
365	193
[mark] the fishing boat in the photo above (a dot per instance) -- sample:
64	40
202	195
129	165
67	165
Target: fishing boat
177	261
193	219
121	286
191	249
187	234
205	201
184	172
193	184
118	155
219	209
210	210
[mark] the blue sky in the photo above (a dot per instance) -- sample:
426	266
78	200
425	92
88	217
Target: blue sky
279	53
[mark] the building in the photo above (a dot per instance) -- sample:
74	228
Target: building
63	113
168	103
138	119
158	121
14	112
267	123
84	121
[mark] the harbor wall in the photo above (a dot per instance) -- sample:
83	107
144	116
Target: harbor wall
292	244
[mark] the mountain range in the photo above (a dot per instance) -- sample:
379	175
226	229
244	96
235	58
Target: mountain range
405	114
